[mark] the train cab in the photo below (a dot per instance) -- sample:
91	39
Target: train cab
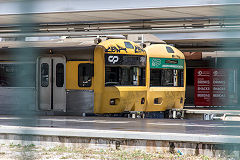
166	78
120	77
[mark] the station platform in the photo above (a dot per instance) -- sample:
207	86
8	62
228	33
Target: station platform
211	113
189	136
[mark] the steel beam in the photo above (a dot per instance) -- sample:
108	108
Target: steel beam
112	32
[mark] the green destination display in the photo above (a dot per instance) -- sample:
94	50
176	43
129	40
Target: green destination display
166	63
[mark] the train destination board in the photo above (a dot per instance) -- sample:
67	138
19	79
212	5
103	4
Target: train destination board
123	59
166	63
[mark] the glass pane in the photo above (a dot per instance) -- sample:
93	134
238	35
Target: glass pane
180	78
169	50
128	45
124	76
142	77
167	77
112	76
85	73
44	74
155	77
59	75
17	75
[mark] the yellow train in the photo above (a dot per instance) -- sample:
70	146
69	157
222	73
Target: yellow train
114	76
166	78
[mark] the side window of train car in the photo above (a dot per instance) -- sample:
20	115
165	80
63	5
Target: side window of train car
17	75
85	74
44	74
59	75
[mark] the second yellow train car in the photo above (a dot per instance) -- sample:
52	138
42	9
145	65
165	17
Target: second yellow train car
166	78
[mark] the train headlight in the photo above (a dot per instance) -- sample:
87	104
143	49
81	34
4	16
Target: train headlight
158	100
142	100
112	101
181	100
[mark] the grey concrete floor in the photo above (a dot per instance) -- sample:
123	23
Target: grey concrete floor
126	124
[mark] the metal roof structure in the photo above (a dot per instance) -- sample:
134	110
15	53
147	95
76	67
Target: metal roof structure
60	11
198	22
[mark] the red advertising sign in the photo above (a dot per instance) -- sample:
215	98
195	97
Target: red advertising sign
202	83
211	87
219	87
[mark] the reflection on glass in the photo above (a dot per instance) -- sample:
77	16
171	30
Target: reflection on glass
124	76
44	74
59	75
167	77
85	73
17	75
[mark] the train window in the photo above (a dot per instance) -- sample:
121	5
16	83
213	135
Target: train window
169	49
155	77
180	78
128	45
124	76
44	74
17	75
166	77
85	73
59	75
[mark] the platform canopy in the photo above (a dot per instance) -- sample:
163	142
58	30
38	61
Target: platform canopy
62	11
170	20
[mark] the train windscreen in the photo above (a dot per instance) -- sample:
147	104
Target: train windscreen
166	77
125	70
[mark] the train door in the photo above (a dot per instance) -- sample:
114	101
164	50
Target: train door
51	83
